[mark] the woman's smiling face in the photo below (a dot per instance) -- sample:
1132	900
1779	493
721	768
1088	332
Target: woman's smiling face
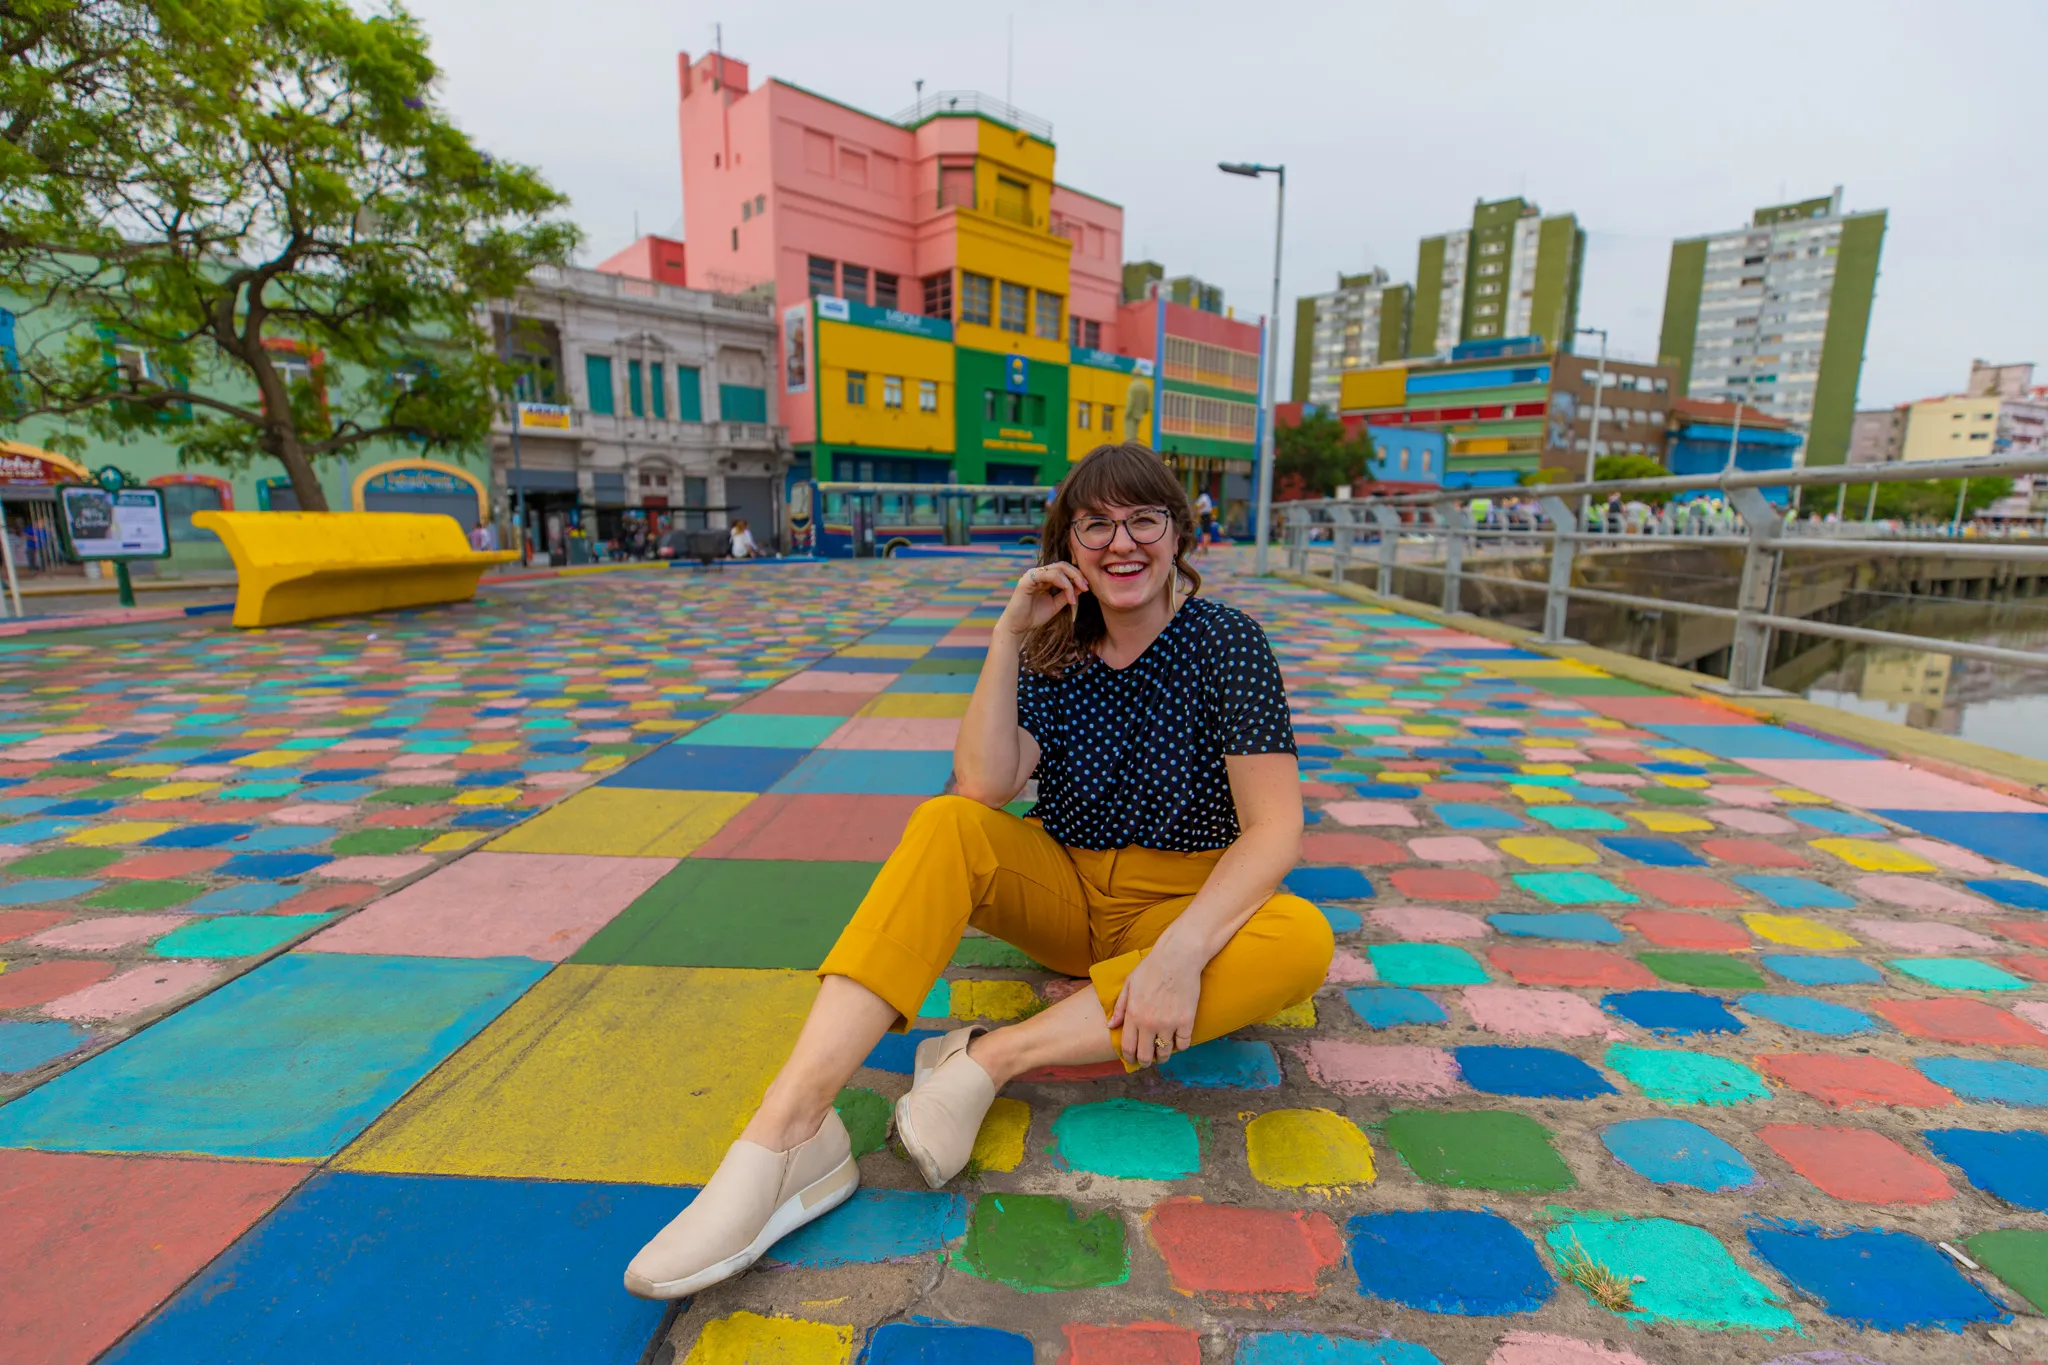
1126	573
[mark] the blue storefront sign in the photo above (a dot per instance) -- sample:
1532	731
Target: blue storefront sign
1016	374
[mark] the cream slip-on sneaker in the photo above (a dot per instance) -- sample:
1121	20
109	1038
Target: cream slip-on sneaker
949	1096
753	1199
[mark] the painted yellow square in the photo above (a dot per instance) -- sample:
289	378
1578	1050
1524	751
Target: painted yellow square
1432	731
625	823
884	651
1670	822
1295	1016
146	770
452	842
1541	668
637	1074
923	705
488	796
992	1000
1872	856
750	1339
1682	781
494	746
1544	851
1548	769
126	832
1539	796
1796	931
269	758
1307	1149
665	727
603	763
1684	756
1793	796
1603	723
176	791
999	1146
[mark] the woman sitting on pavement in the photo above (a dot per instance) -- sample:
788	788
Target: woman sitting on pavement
1169	808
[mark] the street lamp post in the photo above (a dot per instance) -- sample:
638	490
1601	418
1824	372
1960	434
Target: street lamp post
1262	530
1593	436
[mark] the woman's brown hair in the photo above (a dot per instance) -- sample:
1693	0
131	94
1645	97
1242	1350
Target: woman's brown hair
1127	475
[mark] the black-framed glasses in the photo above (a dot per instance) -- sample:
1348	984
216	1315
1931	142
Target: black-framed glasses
1145	526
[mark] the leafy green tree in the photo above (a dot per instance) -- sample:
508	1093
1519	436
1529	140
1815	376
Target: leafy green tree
1633	467
1317	456
280	200
1928	500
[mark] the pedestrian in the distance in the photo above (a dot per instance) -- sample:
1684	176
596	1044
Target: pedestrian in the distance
743	546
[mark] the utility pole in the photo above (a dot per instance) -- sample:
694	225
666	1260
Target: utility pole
518	471
1593	436
1262	532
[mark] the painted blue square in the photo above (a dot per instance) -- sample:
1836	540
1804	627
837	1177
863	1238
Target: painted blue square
490	818
1329	884
710	768
345	791
1342	921
839	663
896	1052
923	1342
28	805
878	772
1531	1072
1988	1082
2012	1166
39	890
493	777
1808	1015
1575	926
287	1063
2021	895
1795	893
1470	815
285	838
1653	852
200	836
357	1267
1448	1261
1678	1152
1225	1064
28	1043
245	898
1838	822
1874	1277
272	867
1810	970
1393	1006
1673	1014
2016	837
328	776
1752	741
25	832
933	682
876	1225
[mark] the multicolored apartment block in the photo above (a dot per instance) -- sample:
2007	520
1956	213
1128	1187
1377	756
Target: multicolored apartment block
948	311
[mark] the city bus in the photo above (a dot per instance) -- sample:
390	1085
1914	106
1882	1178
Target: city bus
870	520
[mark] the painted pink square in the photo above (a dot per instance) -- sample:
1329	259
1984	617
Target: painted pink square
1383	814
108	932
565	778
1883	784
928	733
1740	796
967	637
1612	779
814	680
1348	968
207	772
1427	924
1547	1348
1949	856
1381	1069
1530	1012
1912	936
1915	893
2034	1012
1537	753
132	991
419	760
1751	821
1454	848
376	867
312	813
538	905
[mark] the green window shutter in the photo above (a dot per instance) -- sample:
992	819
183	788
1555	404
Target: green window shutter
742	403
597	377
636	400
689	394
660	388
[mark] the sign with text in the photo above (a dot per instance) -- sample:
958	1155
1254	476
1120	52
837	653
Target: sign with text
125	523
546	416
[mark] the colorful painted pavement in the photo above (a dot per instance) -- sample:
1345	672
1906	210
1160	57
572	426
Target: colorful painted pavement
1741	1026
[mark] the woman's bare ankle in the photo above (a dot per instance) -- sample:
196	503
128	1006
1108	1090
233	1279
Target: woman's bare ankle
780	1125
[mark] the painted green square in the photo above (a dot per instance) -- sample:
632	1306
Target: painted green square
145	895
1717	971
2019	1256
1675	1076
991	952
866	1116
63	862
752	731
1478	1149
1606	767
267	791
114	790
736	912
1576	817
1040	1242
954	666
1425	964
1957	973
78	769
1574	888
380	841
1670	796
413	796
235	935
1593	687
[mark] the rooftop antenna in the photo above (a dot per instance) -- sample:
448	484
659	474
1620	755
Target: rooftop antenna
1010	66
636	225
724	99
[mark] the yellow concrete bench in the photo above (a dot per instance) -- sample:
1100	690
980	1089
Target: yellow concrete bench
298	566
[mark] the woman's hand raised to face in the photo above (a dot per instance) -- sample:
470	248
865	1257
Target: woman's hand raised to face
1042	593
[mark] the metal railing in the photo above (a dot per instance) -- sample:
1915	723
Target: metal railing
1754	524
974	102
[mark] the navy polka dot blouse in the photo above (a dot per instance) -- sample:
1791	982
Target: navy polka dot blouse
1134	756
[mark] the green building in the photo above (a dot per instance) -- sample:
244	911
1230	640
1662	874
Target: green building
1512	273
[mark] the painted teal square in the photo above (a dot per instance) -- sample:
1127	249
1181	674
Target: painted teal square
1957	973
258	791
1574	888
235	935
1576	817
767	731
1682	1273
1126	1140
1425	964
878	772
1677	1077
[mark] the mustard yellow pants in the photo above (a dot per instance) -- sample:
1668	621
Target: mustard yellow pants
1082	912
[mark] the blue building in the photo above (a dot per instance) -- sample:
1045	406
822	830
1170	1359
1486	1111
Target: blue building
1698	444
1406	455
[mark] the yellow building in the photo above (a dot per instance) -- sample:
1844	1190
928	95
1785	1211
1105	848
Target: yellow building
1951	428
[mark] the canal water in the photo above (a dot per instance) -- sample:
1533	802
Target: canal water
1991	704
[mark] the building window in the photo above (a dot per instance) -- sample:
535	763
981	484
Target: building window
597	378
885	290
1013	200
1049	307
1108	418
1015	300
658	388
927	395
1015	409
956	187
735	239
857	388
1091	335
1081	415
938	295
822	281
977	300
746	209
636	399
853	282
690	394
760	204
892	391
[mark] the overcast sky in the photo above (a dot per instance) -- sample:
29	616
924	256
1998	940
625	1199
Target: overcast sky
1650	121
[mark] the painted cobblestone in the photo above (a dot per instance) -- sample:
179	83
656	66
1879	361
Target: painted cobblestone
413	971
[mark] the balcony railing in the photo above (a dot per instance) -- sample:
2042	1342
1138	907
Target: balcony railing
602	284
974	102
